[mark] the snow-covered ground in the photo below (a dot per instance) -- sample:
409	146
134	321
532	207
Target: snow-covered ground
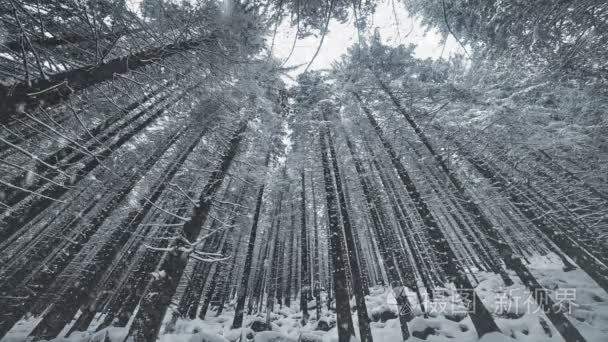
516	314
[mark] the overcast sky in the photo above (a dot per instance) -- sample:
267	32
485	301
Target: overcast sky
394	29
341	36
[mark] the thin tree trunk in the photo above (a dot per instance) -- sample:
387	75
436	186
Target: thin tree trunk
373	205
243	287
270	299
65	155
147	321
304	283
12	221
288	282
58	87
317	261
64	310
346	330
481	317
351	249
564	326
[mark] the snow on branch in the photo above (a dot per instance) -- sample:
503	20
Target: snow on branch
184	193
165	211
224	224
29	154
231	203
30	172
190	251
210	259
162	224
31	192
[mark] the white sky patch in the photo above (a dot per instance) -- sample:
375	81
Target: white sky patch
134	6
394	29
342	36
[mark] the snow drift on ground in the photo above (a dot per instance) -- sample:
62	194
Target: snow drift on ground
516	314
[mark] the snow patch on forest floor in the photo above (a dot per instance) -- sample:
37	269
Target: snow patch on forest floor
589	308
516	314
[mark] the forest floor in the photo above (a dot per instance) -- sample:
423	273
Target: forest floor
515	312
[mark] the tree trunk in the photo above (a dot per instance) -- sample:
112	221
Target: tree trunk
563	325
12	221
158	296
243	287
64	310
316	259
351	249
58	87
304	283
61	157
344	320
274	269
290	253
388	257
481	317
